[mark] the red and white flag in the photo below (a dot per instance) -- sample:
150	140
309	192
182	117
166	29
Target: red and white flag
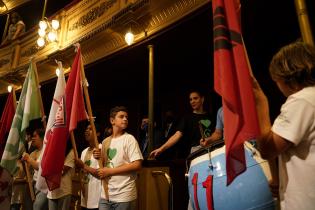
233	82
70	111
59	92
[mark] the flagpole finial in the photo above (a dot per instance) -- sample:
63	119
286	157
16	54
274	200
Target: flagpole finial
32	58
59	63
77	46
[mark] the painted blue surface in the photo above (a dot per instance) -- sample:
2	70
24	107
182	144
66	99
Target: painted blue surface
249	190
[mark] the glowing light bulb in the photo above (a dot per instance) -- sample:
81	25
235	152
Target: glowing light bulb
52	36
129	38
55	24
41	32
9	88
42	25
40	41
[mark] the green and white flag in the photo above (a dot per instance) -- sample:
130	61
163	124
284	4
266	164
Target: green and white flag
27	109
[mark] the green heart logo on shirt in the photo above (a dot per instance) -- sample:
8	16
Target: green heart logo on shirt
111	153
88	162
205	123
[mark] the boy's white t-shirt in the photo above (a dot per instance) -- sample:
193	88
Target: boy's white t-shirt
92	185
296	123
122	150
66	180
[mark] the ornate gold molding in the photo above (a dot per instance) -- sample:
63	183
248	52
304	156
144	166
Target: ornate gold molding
92	15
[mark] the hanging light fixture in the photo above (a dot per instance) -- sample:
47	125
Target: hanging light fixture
48	30
129	38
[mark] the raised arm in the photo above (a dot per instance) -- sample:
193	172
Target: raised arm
169	143
216	135
269	144
18	31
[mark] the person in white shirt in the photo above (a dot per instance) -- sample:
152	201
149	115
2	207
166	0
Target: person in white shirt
123	160
41	201
292	135
91	193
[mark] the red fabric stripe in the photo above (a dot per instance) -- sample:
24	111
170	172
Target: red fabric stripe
194	181
209	191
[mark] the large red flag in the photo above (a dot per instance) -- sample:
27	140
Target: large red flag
233	82
70	111
6	120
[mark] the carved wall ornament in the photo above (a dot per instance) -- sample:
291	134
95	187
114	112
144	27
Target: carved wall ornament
30	51
15	77
92	15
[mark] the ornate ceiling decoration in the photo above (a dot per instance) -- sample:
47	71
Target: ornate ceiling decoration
7	5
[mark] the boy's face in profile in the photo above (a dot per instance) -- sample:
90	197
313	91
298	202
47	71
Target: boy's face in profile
88	133
120	120
37	141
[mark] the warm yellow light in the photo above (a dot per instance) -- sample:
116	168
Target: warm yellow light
40	41
55	24
52	36
57	72
9	88
42	25
129	38
41	32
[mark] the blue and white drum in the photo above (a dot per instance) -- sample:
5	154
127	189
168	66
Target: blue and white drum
250	190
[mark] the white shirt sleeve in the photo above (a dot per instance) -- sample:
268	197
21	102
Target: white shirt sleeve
294	121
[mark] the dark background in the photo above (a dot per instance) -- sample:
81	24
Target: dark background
183	60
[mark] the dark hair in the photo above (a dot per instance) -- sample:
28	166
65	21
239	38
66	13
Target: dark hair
108	131
113	112
40	132
295	64
98	129
198	91
15	14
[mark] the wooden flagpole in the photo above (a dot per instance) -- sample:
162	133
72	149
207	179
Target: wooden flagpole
89	108
305	28
88	103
